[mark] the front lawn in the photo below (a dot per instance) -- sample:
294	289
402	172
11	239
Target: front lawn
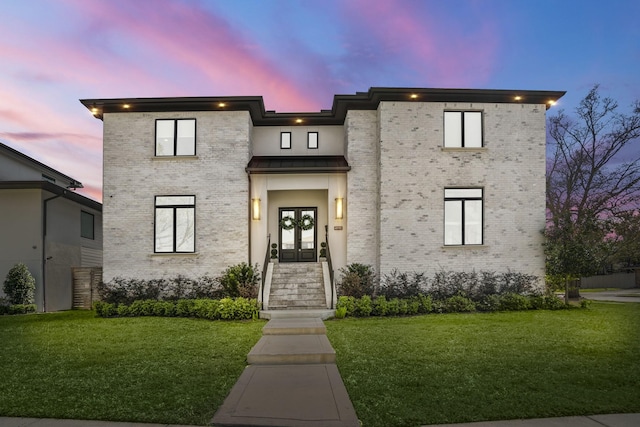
146	369
472	367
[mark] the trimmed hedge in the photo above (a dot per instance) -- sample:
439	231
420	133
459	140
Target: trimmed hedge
17	309
224	309
423	304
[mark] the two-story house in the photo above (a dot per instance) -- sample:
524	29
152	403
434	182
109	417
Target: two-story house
411	179
46	225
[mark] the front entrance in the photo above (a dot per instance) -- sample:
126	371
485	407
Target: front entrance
298	234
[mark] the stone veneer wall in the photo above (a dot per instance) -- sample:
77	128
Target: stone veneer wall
362	201
415	169
216	176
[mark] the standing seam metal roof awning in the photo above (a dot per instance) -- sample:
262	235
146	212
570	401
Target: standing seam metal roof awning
297	164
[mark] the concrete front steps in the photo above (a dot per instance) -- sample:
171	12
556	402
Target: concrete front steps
300	385
297	286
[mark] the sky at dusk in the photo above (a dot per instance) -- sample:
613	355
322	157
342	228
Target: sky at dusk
296	54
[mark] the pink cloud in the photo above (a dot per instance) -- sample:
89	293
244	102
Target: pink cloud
203	51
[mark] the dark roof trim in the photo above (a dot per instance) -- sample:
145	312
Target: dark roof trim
51	188
24	157
336	116
297	164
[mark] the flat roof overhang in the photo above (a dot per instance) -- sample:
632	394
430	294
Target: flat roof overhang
297	164
336	116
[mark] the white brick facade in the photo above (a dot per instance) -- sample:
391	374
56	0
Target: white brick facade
393	185
133	177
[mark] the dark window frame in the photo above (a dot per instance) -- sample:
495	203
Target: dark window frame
173	208
463	220
175	137
83	215
317	134
462	127
282	141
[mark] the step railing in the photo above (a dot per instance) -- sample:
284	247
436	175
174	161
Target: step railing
265	265
331	274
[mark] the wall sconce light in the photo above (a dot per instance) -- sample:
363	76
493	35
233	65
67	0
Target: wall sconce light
255	209
339	207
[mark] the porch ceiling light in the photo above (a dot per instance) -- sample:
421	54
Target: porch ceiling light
339	207
255	209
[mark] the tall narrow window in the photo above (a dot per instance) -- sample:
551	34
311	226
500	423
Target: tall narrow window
285	140
463	216
87	229
175	137
463	129
175	224
312	140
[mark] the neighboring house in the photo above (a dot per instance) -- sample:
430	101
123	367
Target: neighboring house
409	179
47	226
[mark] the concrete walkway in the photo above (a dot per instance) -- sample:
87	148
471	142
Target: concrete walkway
292	380
618	295
610	420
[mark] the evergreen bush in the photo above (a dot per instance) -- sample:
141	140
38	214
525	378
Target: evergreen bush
20	286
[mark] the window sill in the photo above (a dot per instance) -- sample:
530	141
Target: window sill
174	254
465	149
464	246
165	158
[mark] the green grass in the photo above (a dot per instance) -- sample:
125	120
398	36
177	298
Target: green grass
164	370
472	367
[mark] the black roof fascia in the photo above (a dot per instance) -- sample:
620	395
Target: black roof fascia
336	116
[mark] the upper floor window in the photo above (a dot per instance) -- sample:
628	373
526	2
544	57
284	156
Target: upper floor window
463	129
312	140
175	137
463	216
87	229
175	224
285	140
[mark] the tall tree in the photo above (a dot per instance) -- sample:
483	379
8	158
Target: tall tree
593	181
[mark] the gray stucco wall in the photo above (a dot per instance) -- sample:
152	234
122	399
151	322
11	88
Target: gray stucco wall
21	231
216	176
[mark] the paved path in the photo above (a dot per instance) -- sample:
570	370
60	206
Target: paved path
618	295
292	381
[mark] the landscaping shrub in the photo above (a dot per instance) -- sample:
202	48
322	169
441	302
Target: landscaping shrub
393	307
240	280
379	307
425	304
402	285
357	280
489	303
349	304
224	309
20	309
514	302
19	285
364	306
459	304
518	283
341	312
126	290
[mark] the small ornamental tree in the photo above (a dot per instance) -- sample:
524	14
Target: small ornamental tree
20	286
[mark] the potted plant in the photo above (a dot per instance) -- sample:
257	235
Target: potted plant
323	251
274	252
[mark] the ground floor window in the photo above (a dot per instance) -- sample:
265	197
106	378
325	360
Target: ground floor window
175	224
463	216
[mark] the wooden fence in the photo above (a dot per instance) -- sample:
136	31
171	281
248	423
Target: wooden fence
85	286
